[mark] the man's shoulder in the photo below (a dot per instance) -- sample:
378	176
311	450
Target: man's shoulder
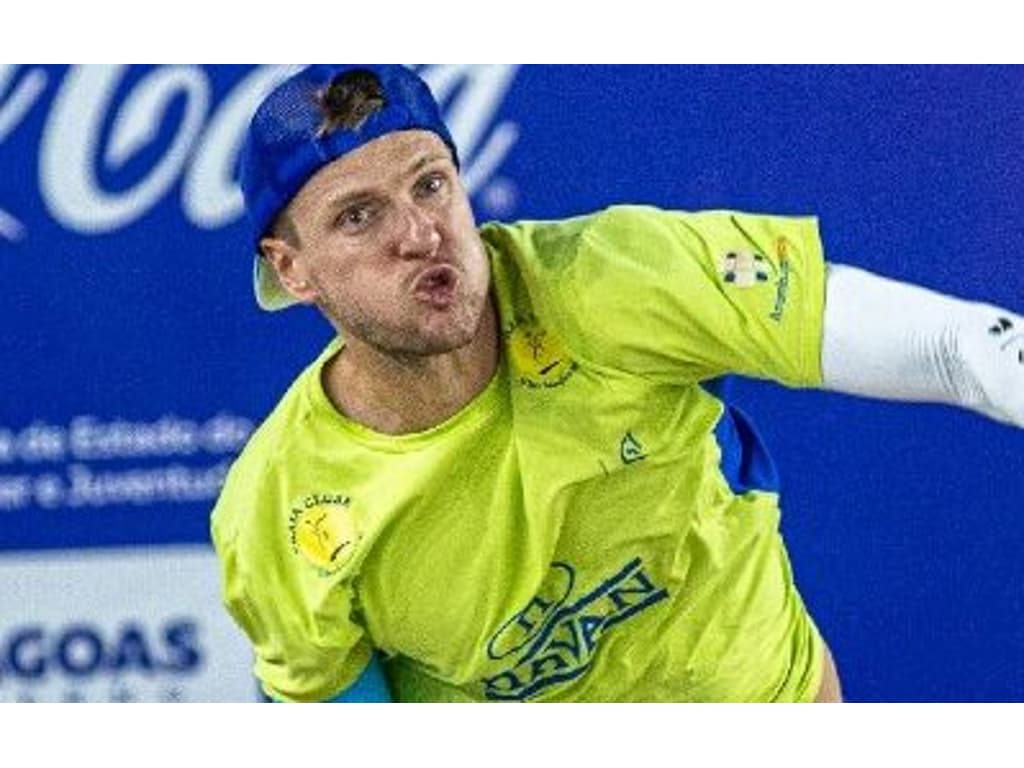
258	466
534	233
283	425
616	233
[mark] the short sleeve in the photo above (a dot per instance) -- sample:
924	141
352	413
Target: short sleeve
685	297
307	645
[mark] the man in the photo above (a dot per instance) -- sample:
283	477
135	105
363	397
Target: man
508	478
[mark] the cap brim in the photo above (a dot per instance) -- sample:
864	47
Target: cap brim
269	294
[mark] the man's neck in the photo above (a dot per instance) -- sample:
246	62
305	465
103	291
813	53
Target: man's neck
399	396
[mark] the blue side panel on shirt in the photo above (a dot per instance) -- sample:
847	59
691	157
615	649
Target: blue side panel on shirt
746	463
718	387
370	688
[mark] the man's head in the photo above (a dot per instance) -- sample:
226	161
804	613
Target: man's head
351	183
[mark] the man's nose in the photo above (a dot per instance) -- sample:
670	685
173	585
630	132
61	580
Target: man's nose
419	236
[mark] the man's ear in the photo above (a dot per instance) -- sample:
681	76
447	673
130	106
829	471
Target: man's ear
290	268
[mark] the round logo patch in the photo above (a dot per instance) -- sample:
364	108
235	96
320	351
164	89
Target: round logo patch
538	357
323	531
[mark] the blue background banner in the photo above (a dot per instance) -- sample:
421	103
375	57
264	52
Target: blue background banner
134	362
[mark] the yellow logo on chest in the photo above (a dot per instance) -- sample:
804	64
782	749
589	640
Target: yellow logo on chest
538	357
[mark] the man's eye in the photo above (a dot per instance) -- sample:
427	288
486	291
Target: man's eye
431	184
354	217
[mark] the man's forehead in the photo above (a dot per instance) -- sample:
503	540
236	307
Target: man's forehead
377	162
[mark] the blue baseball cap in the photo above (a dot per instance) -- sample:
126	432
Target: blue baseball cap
287	144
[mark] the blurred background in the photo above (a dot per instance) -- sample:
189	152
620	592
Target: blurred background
134	362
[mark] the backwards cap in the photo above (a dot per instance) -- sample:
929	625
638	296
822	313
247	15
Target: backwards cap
286	145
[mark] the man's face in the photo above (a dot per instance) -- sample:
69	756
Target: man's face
388	248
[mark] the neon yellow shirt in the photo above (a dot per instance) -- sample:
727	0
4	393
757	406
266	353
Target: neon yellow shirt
595	525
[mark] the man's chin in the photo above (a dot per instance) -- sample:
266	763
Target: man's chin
431	346
435	334
424	344
444	335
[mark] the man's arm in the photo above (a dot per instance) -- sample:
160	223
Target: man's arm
892	340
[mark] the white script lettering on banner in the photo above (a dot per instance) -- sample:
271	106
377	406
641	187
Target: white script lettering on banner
77	150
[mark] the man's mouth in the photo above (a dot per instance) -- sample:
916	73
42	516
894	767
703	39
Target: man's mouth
436	286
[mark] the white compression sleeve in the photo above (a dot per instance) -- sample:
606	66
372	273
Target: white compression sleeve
897	341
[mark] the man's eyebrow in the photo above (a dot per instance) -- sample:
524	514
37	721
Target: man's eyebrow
348	198
426	160
361	195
